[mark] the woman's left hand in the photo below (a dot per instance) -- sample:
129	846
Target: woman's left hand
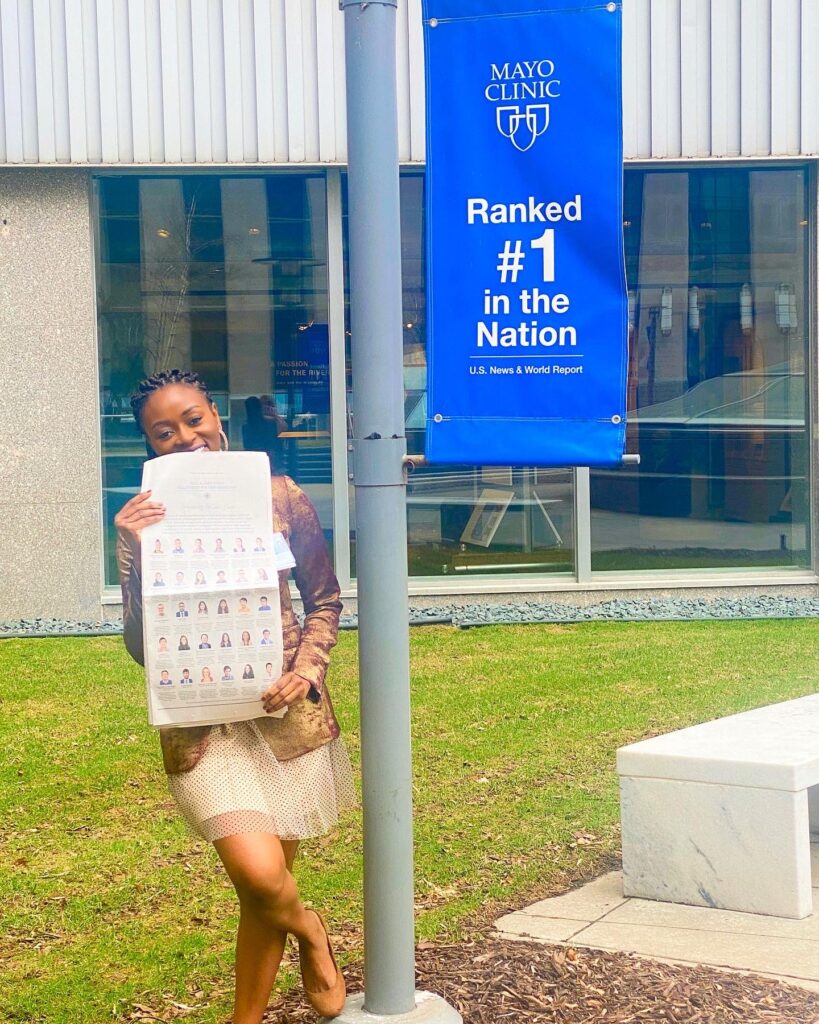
286	690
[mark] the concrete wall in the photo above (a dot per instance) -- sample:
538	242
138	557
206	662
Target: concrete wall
49	414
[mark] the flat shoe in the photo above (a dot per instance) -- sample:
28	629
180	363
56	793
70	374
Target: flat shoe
328	1002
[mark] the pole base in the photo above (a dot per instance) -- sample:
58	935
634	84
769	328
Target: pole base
429	1009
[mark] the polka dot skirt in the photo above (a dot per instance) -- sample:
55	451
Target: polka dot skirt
238	785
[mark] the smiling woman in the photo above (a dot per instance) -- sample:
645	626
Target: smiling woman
177	414
252	790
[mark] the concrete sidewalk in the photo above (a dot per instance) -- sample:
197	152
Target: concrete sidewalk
598	916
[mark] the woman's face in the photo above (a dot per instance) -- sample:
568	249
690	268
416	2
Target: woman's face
179	418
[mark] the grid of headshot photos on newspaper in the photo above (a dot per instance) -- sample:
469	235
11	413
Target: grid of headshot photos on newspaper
210	588
213	624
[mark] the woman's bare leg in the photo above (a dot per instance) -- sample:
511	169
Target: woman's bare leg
259	866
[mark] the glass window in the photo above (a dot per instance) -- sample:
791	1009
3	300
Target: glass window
717	390
467	520
226	276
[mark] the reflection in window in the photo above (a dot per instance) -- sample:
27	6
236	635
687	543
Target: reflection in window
463	521
716	264
226	276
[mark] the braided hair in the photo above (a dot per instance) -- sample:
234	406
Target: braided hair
147	387
151	384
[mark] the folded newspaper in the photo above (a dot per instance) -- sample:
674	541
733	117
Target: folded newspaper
210	589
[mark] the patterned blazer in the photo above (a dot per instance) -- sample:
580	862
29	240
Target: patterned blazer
307	725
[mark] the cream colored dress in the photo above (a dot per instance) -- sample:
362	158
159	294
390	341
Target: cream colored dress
238	785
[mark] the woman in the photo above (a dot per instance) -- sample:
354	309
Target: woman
202	608
246	642
290	777
225	641
207	676
183	643
248	672
222	608
200	580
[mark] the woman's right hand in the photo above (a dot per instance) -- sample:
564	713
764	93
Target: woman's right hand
132	519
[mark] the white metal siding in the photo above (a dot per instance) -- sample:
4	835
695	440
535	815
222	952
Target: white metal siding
249	81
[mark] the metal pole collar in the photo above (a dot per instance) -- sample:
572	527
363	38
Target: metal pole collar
342	4
378	461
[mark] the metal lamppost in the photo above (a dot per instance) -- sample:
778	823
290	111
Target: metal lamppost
378	455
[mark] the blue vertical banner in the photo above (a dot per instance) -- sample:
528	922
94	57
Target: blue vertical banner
526	292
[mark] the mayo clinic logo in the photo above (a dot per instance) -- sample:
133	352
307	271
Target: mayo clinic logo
522	123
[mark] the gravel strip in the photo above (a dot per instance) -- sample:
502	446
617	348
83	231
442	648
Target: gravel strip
465	616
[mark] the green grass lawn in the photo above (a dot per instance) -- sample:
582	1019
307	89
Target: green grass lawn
107	902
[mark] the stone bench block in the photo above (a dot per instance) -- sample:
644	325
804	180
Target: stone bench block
720	814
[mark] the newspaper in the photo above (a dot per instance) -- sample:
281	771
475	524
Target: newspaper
210	589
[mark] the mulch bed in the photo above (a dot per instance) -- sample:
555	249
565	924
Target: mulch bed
491	981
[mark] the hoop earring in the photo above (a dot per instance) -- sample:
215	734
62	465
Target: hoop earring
224	444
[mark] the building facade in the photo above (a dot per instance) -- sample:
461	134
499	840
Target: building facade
172	192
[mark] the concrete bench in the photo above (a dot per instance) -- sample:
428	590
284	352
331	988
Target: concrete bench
720	814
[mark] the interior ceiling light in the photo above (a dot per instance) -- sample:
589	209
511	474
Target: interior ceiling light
666	312
163	232
785	308
694	309
746	309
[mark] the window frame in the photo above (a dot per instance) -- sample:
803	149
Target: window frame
583	579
